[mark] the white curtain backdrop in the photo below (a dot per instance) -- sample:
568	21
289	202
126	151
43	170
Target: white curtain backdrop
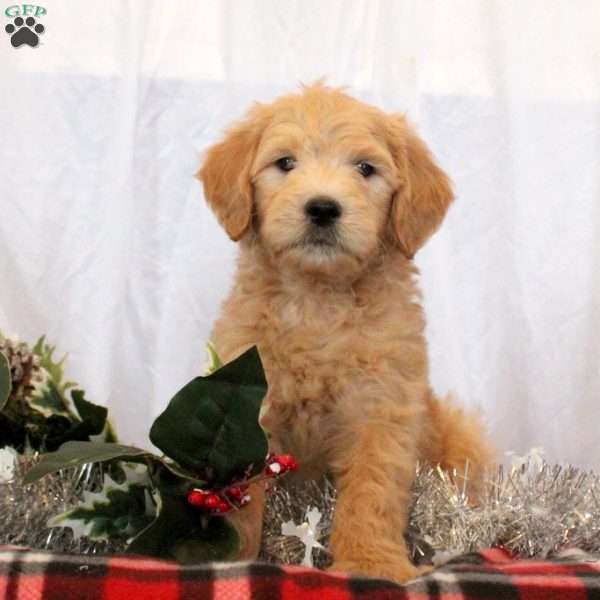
107	246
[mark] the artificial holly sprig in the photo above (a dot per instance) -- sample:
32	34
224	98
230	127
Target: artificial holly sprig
213	447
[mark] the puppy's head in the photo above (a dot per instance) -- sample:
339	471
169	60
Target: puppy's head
324	183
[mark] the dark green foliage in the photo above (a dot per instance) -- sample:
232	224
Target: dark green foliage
116	513
75	454
181	533
210	435
211	425
5	385
42	409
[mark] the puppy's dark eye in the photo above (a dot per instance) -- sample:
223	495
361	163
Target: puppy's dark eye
285	164
365	169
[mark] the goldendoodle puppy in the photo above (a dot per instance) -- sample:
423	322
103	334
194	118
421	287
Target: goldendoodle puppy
330	199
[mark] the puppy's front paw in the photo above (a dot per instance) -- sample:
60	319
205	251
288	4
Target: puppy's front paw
398	571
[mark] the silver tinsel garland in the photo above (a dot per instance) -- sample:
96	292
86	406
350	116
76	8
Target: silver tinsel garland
26	509
291	503
534	510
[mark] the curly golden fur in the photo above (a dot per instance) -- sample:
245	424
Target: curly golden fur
330	199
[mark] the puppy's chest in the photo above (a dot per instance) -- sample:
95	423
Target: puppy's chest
319	351
311	347
315	344
309	350
309	323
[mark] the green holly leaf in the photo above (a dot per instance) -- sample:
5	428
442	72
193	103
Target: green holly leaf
211	425
174	481
118	511
74	454
91	415
5	381
214	362
48	401
90	420
182	533
55	369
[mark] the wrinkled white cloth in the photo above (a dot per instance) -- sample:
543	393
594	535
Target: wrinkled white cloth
107	247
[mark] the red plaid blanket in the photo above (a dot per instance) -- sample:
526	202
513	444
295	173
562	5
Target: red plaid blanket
31	575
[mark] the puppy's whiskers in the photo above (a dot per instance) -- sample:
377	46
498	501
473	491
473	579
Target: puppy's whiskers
325	240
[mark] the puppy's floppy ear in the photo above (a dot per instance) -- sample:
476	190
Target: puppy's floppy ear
424	193
225	175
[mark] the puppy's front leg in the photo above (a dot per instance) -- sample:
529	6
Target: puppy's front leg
248	522
374	467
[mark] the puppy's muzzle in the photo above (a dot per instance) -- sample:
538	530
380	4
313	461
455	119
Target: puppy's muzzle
323	211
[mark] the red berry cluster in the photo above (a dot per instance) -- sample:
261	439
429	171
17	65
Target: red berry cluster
219	502
236	496
279	464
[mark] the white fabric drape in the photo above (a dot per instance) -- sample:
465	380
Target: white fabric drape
107	247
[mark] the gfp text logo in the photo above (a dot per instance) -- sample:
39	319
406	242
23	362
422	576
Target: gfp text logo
24	28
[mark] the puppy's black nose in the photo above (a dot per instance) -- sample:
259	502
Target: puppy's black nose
322	211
